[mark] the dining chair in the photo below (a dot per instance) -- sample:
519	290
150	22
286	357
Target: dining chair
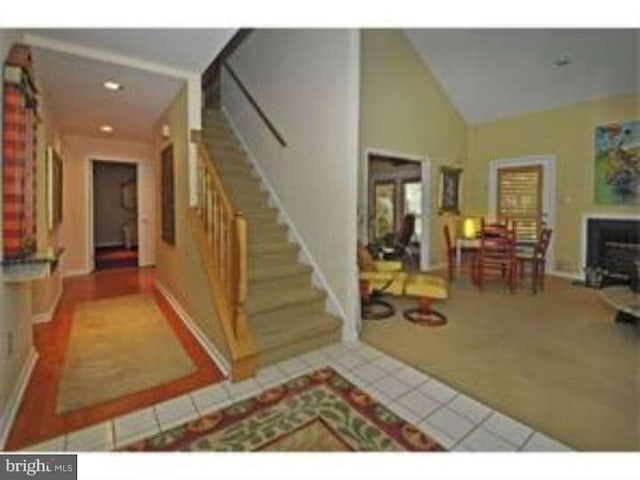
450	252
536	256
496	255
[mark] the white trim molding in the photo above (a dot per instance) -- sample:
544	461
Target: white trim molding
425	177
548	164
13	402
45	317
77	272
586	216
193	327
567	275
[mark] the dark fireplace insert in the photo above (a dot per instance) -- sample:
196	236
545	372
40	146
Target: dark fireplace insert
613	245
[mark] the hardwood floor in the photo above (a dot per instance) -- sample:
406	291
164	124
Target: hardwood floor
36	419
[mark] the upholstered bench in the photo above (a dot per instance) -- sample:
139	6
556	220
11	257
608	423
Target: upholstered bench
427	288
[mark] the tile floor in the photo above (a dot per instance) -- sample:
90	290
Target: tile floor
460	423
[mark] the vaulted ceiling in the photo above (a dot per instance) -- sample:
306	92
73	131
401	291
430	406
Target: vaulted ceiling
495	73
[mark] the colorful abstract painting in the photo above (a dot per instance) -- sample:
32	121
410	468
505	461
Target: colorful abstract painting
617	163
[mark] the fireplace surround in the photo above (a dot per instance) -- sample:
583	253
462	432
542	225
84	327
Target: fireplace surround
611	242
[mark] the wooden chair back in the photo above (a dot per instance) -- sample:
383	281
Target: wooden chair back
447	238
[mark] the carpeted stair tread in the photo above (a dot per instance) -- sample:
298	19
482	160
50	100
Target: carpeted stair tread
268	296
260	215
286	327
279	272
267	234
265	261
238	176
271	247
235	168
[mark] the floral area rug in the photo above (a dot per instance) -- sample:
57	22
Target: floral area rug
320	411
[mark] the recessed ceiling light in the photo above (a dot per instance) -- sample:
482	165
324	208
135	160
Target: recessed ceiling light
561	61
106	128
112	85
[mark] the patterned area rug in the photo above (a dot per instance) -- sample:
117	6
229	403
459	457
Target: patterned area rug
320	411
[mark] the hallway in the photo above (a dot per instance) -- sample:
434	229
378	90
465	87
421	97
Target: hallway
38	420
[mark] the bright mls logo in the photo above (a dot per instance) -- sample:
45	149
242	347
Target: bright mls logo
45	467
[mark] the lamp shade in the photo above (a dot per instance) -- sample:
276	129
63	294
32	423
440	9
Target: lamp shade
470	227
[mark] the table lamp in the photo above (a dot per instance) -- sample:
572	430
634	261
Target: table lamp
470	227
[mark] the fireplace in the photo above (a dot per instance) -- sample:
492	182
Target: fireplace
613	244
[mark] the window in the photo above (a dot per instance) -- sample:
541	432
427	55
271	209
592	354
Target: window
412	201
385	193
520	198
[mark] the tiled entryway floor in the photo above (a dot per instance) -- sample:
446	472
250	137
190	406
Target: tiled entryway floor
458	422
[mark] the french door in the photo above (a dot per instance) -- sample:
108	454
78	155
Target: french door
393	199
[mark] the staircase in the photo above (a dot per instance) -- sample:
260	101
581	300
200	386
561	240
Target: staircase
285	313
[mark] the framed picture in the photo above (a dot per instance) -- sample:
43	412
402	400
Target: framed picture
168	196
617	163
54	188
449	193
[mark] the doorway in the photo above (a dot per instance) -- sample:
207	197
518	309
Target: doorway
397	189
115	211
122	214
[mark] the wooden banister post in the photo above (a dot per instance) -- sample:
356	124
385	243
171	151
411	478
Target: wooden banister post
240	273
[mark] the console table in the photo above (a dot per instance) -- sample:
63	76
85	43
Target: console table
625	301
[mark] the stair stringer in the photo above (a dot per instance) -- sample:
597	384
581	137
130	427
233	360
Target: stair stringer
318	279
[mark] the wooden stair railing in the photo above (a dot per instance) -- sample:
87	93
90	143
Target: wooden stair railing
221	234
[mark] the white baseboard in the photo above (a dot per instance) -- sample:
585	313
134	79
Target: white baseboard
333	305
11	408
45	317
193	327
567	275
77	272
436	266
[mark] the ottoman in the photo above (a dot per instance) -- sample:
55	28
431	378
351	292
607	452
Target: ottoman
427	288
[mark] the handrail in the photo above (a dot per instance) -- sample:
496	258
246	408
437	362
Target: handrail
274	131
222	233
211	76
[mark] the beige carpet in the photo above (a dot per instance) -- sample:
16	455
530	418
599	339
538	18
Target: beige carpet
118	346
555	361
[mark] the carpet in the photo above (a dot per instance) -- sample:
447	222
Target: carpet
555	361
115	257
317	412
118	346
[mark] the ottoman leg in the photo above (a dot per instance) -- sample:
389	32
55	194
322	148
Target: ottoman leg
425	315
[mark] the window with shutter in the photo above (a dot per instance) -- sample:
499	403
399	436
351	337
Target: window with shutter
520	199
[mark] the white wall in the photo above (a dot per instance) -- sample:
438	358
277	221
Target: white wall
307	81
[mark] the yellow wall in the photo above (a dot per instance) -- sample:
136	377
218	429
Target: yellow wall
568	134
78	151
46	291
179	267
404	109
